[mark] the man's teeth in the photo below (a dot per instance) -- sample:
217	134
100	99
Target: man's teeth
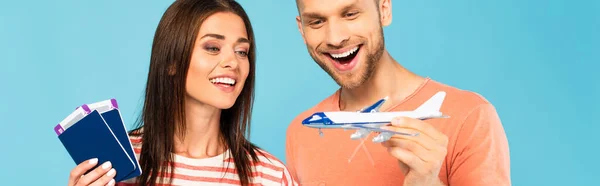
345	54
223	80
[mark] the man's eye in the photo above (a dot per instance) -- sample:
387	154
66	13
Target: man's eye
316	22
351	14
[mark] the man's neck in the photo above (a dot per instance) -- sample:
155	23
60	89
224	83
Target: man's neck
202	134
389	79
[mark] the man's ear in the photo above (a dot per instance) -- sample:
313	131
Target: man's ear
299	23
385	9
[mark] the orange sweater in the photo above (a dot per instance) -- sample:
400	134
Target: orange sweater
478	151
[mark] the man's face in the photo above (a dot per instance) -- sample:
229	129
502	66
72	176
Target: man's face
345	37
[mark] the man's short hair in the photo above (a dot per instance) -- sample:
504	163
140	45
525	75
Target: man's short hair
298	6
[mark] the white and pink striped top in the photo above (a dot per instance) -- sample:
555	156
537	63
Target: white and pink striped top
220	170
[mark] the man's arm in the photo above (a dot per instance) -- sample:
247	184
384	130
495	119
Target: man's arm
482	153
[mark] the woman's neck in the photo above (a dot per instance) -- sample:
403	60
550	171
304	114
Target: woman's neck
201	134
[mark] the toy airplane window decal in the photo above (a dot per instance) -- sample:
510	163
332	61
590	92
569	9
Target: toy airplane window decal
315	117
370	119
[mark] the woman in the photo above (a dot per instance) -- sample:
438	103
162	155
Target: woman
198	103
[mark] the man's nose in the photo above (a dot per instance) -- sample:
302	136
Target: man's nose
337	34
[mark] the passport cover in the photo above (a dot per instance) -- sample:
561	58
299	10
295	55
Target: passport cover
91	137
115	122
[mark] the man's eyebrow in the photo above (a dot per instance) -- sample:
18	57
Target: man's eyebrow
318	16
312	15
348	7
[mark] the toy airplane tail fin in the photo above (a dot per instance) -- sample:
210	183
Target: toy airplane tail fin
433	104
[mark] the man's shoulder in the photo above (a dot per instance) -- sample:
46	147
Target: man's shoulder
458	102
477	141
456	94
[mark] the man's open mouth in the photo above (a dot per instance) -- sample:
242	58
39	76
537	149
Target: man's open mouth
345	57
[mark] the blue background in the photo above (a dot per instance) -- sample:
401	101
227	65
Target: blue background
535	60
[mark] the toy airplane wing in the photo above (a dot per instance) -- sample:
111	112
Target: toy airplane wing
375	107
384	130
432	104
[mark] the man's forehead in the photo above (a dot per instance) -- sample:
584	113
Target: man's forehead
319	5
300	5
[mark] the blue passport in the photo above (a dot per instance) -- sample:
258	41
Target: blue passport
97	131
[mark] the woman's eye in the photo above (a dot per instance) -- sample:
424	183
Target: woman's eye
242	53
211	49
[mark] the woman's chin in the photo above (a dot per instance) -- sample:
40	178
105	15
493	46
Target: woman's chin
216	102
223	104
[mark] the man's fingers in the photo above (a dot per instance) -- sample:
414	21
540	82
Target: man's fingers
413	147
404	168
421	126
413	162
106	179
95	174
80	169
403	130
423	140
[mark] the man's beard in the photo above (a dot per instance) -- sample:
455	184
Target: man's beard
371	62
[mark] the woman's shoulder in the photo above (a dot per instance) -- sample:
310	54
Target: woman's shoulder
265	157
270	165
135	137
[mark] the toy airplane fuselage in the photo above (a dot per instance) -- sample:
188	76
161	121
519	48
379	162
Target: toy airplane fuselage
370	119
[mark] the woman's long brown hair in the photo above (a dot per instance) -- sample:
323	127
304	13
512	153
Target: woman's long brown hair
163	114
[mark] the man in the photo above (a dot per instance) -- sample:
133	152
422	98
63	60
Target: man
345	38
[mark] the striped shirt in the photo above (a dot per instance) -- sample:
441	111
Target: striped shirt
220	170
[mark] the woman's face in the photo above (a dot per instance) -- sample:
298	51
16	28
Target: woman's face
219	64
